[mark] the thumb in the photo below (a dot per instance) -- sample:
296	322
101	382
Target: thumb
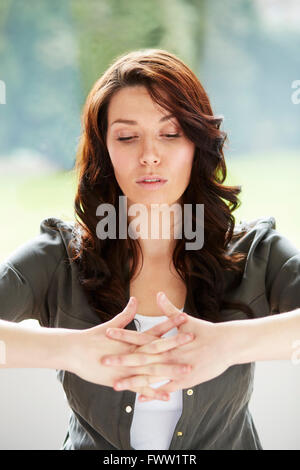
124	317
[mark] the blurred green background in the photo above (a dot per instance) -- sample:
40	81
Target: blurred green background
245	54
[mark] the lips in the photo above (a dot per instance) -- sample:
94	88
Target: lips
152	186
151	177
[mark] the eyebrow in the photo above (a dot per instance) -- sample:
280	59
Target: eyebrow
128	121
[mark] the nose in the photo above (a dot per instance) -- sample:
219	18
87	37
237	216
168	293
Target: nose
149	155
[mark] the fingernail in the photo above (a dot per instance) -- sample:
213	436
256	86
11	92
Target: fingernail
162	296
112	360
120	386
179	318
188	336
185	338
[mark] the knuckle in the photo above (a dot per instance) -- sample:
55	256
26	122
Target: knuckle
179	338
129	383
137	370
153	331
120	333
142	340
143	359
155	347
132	348
153	369
176	318
178	369
168	356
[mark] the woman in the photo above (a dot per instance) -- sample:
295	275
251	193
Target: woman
147	118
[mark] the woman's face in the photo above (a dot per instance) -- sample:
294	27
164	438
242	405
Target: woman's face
154	145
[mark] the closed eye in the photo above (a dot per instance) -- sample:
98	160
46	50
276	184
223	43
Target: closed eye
124	139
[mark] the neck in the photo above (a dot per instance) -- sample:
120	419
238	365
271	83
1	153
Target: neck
156	230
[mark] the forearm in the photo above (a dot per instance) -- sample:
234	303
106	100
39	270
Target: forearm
22	346
276	337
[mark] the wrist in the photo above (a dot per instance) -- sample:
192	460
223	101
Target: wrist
53	347
272	337
31	347
238	346
61	342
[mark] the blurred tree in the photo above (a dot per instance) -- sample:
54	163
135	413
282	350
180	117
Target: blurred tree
51	53
248	70
39	66
4	9
107	29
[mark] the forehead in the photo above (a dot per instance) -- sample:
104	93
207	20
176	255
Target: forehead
132	101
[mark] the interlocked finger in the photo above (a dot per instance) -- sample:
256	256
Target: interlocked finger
135	359
162	328
151	393
165	344
154	373
129	336
138	381
147	336
138	358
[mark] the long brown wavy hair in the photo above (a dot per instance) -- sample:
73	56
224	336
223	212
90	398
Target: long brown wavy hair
101	262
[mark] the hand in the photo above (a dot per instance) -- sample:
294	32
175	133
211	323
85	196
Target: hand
208	354
86	348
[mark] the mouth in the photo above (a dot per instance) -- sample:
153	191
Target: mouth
152	183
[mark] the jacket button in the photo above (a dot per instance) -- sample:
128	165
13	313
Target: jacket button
128	409
190	391
179	433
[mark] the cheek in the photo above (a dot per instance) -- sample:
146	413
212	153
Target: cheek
123	170
184	161
118	162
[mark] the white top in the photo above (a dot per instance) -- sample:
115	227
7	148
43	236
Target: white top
154	422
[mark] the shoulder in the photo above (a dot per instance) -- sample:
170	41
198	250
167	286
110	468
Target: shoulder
55	224
271	274
259	238
55	228
49	246
245	232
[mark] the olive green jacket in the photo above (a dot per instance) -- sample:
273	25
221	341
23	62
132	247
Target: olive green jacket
38	282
